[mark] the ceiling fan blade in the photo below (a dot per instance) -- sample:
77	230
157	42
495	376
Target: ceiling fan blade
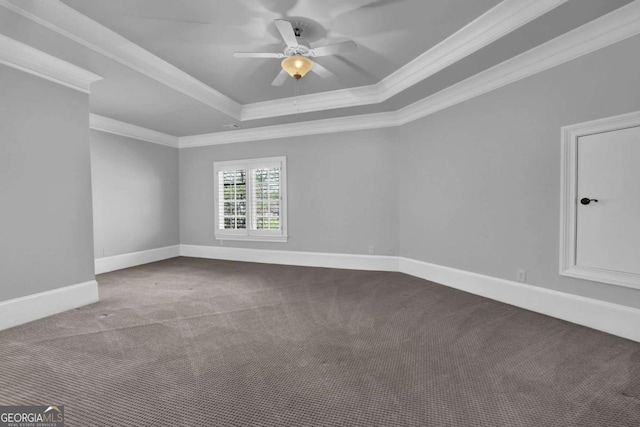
173	21
286	31
279	7
334	49
257	55
361	70
280	78
167	31
361	5
323	72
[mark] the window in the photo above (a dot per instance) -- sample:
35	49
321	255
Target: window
250	199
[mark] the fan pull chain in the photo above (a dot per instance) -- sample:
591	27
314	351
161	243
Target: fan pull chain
296	91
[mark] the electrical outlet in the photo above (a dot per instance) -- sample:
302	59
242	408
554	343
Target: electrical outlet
372	249
521	275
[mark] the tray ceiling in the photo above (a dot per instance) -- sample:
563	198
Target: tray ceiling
200	37
169	66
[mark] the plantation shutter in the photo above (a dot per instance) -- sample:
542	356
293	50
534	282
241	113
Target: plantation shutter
250	199
266	200
232	199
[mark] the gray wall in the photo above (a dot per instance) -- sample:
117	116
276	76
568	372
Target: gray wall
480	182
46	238
341	191
475	187
135	194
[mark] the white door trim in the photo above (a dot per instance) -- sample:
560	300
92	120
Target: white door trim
569	200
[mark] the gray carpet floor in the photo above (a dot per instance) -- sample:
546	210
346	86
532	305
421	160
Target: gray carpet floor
193	342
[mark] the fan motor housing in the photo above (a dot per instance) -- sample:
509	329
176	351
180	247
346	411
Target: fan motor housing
301	50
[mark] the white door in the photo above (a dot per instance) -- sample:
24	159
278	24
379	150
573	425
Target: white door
608	230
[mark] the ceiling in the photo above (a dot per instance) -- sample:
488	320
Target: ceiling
197	39
200	36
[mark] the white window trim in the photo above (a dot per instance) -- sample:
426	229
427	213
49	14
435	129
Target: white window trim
569	200
248	234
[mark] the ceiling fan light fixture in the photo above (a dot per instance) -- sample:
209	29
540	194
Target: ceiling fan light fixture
297	66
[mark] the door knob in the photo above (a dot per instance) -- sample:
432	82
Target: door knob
586	201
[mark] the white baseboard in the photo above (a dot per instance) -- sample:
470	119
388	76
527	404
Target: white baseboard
614	319
118	262
21	310
307	259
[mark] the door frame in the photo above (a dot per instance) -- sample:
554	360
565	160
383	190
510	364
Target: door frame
569	200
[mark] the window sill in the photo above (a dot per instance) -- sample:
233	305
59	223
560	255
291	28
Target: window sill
272	239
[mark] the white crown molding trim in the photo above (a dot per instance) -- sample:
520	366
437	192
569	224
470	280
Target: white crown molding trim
611	318
607	30
119	262
316	127
67	21
307	259
501	20
330	100
30	60
569	199
116	127
607	317
489	27
492	25
26	309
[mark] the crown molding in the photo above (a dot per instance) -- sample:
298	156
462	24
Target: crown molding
67	21
489	27
33	61
508	15
316	127
609	29
116	127
343	98
492	25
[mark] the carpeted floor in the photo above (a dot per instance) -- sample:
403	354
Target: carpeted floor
193	342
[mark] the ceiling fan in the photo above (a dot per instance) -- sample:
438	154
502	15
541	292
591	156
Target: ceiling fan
295	57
